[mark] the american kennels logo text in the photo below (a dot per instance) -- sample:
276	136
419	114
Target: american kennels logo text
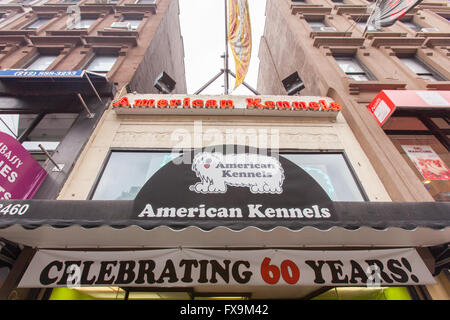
260	173
254	211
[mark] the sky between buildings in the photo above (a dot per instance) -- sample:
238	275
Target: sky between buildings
203	30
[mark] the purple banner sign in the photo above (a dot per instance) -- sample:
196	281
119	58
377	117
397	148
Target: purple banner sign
20	174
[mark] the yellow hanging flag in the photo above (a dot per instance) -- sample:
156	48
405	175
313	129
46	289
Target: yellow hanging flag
240	37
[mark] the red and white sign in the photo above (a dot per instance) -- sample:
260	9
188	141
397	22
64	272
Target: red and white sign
192	267
429	164
387	101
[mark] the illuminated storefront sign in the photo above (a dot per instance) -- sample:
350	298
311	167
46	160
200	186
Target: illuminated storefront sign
20	174
295	104
194	267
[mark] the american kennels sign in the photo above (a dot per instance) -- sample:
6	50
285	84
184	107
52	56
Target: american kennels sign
194	267
290	106
232	184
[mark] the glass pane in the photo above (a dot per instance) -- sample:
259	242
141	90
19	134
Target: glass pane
140	166
83	24
427	162
316	25
411	25
414	65
358	77
349	65
102	64
41	62
429	77
52	128
133	22
370	27
37	24
9	124
442	123
331	172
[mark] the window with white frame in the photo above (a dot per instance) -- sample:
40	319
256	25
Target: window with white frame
101	63
317	25
362	25
421	68
36	24
412	25
83	23
41	62
134	23
353	68
145	2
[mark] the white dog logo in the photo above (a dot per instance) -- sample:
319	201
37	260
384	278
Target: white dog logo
260	173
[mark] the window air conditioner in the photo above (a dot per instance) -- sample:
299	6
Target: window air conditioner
429	30
121	25
102	1
332	29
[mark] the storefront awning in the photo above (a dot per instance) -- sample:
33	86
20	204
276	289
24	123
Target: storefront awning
87	224
56	81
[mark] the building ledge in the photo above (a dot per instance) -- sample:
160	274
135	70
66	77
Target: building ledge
350	9
52	7
433	34
131	7
315	34
309	8
441	85
112	40
397	41
118	33
337	41
72	40
66	32
17	8
380	34
16	39
438	41
356	87
17	32
431	5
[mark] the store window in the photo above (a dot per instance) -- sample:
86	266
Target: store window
36	24
353	68
101	63
424	142
421	68
330	170
33	130
41	62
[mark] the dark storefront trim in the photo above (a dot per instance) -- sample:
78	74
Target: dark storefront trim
48	92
